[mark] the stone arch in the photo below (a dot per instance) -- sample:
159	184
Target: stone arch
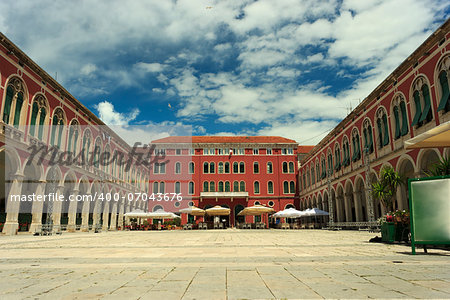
350	209
360	199
21	93
340	204
426	159
70	182
406	169
319	202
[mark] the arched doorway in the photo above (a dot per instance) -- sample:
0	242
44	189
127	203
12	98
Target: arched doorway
29	187
406	171
360	201
428	159
238	219
350	210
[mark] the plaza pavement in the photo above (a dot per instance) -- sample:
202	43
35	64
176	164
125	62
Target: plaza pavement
218	264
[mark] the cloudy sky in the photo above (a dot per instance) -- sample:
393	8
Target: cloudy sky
230	67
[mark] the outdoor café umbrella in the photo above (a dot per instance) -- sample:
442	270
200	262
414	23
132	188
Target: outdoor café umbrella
317	212
288	213
255	210
193	210
161	214
137	213
218	211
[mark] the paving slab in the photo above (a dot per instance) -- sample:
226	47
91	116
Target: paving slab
218	264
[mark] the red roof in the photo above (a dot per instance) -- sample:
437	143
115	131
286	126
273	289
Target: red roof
225	139
304	149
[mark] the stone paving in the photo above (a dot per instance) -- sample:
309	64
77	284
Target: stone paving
218	264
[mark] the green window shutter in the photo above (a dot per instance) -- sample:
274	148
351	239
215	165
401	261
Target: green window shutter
61	127
19	102
427	107
69	147
418	109
54	125
369	129
444	102
380	133
397	122
366	141
41	122
34	113
404	130
8	102
354	149
386	131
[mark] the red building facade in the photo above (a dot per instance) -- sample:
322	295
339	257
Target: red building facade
234	172
337	174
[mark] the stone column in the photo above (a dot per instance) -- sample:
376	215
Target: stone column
85	214
105	224
96	213
57	206
112	226
71	226
120	208
11	225
36	219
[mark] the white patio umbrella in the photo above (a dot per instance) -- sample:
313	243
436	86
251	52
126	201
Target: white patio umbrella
193	210
137	213
218	211
161	214
288	213
318	212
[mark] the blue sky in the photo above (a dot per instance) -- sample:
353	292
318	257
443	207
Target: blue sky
288	68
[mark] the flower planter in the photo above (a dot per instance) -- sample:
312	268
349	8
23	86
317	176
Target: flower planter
388	232
401	232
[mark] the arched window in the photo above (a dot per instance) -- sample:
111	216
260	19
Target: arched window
162	187
227	168
235	167
285	167
346	150
220	168
177	168
205	168
421	96
256	187
255	167
383	129
400	116
356	143
241	167
368	137
191	188
73	137
330	162
269	168
155	187
212	186
291	187
444	71
57	127
205	186
212	168
317	171
291	167
270	187
235	186
242	186
308	180
97	150
191	167
15	94
227	186
304	181
177	187
220	186
285	187
313	175
38	114
324	168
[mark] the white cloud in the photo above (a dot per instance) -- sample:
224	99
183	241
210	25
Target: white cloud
149	67
110	116
88	69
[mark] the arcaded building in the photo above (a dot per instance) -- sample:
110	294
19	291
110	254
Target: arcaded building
36	111
337	174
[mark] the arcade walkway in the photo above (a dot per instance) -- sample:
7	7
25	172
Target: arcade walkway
217	264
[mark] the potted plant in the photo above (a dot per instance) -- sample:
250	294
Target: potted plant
385	190
441	168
